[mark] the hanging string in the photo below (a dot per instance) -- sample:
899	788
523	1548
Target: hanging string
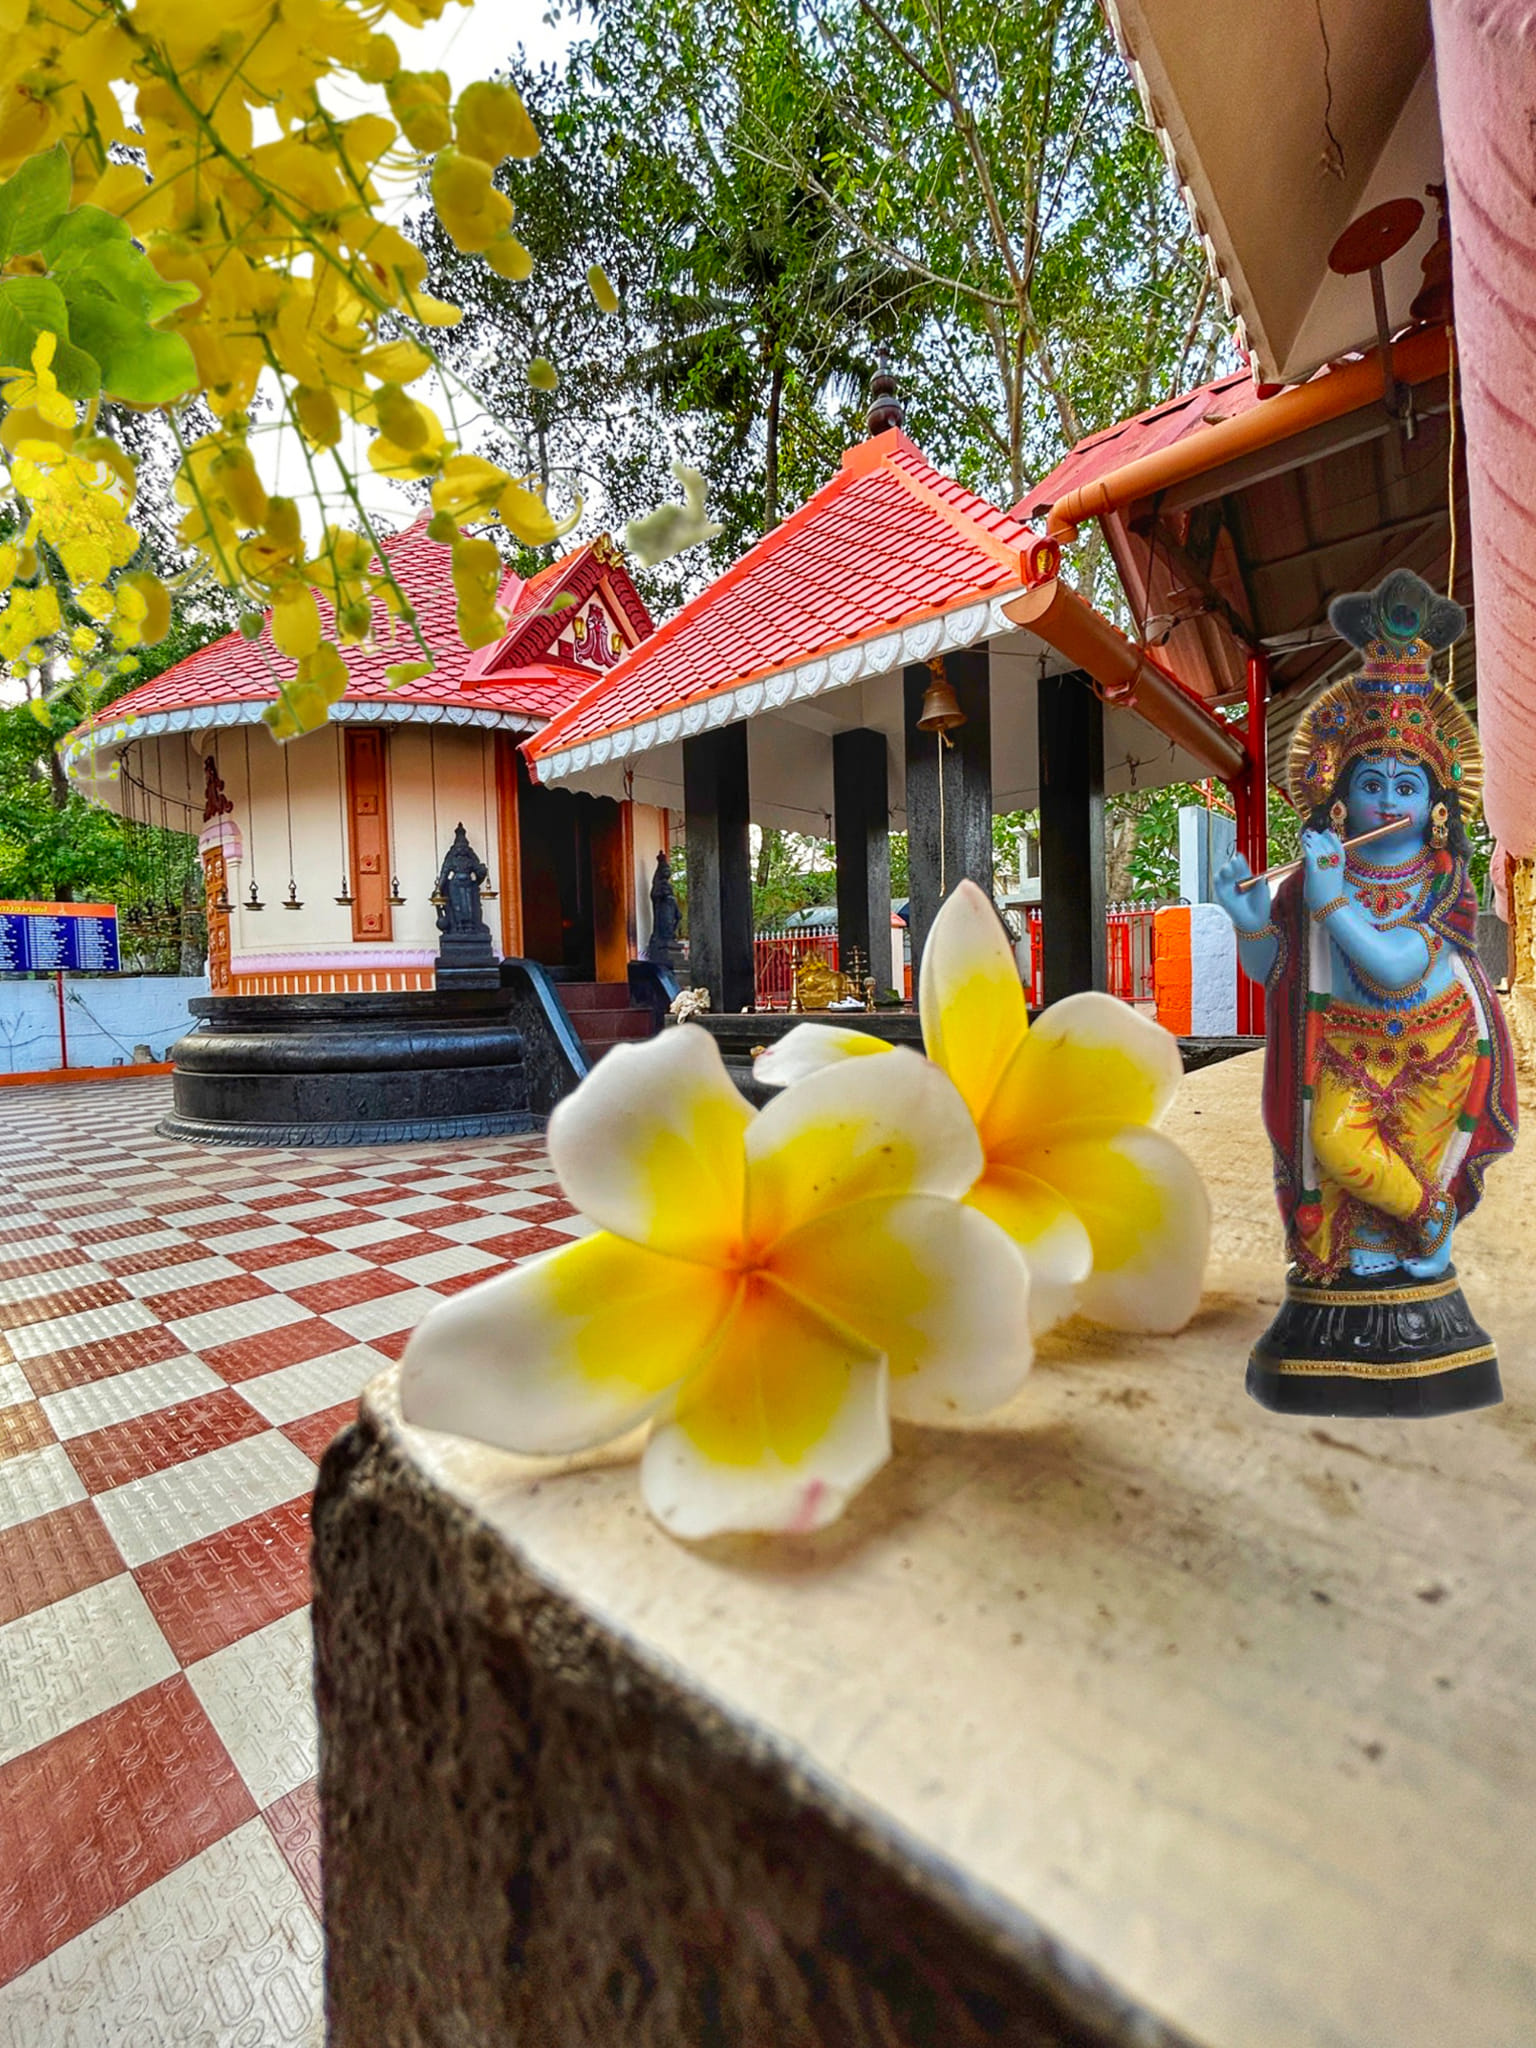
341	815
254	899
437	845
943	833
488	742
1450	487
293	902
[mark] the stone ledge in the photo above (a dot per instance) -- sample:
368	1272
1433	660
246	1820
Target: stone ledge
1134	1715
536	1832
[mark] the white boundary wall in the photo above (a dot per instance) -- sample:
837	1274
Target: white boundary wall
104	1019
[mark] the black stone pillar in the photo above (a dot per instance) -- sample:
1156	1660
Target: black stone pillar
716	804
967	791
1071	835
862	831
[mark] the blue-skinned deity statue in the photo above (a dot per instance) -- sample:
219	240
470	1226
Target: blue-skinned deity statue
1389	1079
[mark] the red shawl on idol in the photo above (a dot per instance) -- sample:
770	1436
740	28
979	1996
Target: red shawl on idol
1491	1105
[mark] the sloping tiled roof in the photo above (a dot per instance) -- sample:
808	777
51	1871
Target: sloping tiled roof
1149	432
888	541
235	671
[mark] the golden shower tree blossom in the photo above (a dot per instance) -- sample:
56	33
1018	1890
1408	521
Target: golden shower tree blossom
763	1289
223	256
1113	1219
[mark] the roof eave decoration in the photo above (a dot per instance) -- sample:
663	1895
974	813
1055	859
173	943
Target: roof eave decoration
897	647
107	734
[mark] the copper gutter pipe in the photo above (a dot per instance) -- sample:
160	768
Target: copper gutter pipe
1347	388
1128	675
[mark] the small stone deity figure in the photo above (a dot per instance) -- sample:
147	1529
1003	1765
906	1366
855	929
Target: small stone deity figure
466	956
1389	1077
666	917
459	883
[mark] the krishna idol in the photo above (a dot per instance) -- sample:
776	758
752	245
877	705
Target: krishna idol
1389	1080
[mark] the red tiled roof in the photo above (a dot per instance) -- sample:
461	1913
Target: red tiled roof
1149	432
234	670
887	541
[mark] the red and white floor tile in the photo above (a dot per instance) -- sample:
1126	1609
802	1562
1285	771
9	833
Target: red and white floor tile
183	1329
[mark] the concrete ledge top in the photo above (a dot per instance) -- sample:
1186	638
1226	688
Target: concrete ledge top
1234	1713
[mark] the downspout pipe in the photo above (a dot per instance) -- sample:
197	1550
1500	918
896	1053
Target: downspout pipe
1346	388
1128	675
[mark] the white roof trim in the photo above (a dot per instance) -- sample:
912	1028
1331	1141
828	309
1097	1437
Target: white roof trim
881	652
150	725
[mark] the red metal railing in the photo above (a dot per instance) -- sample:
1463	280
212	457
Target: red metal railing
777	956
1127	940
1127	954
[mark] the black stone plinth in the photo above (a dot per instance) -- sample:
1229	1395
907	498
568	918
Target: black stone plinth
1391	1346
349	1070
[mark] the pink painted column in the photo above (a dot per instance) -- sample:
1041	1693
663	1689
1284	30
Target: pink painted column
1485	58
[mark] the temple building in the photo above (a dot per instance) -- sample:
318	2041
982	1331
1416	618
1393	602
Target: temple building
324	857
1378	182
332	843
862	669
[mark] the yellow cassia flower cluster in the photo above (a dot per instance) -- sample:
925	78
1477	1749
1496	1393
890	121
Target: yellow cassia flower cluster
249	250
78	487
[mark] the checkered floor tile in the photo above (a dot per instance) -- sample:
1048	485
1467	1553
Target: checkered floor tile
182	1332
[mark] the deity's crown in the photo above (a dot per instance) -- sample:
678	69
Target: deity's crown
1391	705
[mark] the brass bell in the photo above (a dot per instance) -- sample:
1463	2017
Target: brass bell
941	708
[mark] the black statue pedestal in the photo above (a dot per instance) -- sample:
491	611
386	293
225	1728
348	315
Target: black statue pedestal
377	1069
1391	1346
466	957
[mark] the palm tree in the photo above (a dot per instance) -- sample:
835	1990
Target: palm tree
758	310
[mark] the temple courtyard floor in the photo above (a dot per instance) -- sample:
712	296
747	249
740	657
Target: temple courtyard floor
1209	1723
183	1329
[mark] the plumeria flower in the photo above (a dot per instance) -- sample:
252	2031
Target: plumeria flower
765	1288
1113	1219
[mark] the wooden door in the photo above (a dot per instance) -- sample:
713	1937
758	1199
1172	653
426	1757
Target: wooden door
368	834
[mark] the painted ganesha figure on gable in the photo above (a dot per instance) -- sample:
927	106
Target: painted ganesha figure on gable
1389	1081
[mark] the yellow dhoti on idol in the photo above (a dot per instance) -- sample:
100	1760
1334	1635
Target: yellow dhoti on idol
1388	1094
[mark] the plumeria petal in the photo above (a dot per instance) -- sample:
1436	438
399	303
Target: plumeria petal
1055	1244
936	1287
970	997
808	1048
566	1351
650	1146
1088	1060
778	1430
873	1127
1148	1216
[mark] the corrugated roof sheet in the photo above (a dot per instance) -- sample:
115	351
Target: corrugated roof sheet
889	539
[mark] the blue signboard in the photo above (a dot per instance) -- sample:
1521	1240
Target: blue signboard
50	936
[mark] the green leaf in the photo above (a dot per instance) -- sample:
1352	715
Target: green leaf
33	201
138	364
30	306
93	246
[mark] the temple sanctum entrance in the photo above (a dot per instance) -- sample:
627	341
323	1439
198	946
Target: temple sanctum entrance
568	908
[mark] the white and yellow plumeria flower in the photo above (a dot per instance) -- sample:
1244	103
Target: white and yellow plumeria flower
1113	1219
766	1287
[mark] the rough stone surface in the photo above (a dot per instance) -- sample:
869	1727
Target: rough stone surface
1134	1714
